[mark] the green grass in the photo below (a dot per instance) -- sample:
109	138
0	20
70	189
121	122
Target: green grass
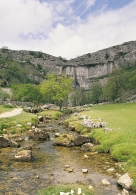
121	142
10	123
55	190
5	108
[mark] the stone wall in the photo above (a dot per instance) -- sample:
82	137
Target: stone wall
15	103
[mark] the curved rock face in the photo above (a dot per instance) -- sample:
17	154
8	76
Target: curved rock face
91	67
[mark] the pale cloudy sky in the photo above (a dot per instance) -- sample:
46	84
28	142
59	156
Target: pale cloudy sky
66	28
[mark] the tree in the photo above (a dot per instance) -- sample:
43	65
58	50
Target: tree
110	90
56	88
116	85
80	97
27	93
96	92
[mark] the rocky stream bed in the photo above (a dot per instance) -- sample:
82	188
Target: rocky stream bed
49	163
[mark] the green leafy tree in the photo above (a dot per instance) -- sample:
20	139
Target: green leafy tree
96	92
110	90
27	93
80	97
56	88
117	85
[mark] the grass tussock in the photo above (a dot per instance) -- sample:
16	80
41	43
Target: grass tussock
53	114
55	190
121	141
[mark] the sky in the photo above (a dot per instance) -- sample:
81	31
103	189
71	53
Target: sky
67	28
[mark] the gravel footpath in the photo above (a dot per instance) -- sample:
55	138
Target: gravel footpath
11	113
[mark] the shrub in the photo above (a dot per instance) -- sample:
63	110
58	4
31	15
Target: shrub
8	106
89	55
107	56
32	53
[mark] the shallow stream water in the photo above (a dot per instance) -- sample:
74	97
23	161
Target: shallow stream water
27	178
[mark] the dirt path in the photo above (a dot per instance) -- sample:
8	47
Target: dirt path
11	113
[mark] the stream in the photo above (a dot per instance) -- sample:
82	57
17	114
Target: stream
27	178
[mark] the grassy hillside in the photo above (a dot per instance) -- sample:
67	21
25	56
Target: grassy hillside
15	72
121	141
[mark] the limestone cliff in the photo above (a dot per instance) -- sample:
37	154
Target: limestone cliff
95	66
84	69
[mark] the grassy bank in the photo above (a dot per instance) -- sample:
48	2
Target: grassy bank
17	124
121	141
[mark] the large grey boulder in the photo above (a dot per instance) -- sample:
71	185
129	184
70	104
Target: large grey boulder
23	156
81	139
125	181
4	143
38	134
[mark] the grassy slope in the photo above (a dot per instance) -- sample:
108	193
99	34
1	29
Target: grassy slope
121	142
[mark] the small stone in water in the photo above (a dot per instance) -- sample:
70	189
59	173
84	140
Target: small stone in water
90	187
85	156
110	170
67	166
84	170
105	182
70	169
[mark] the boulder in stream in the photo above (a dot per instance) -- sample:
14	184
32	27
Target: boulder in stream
105	182
81	139
23	156
125	192
125	181
40	118
64	140
5	142
87	147
38	134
